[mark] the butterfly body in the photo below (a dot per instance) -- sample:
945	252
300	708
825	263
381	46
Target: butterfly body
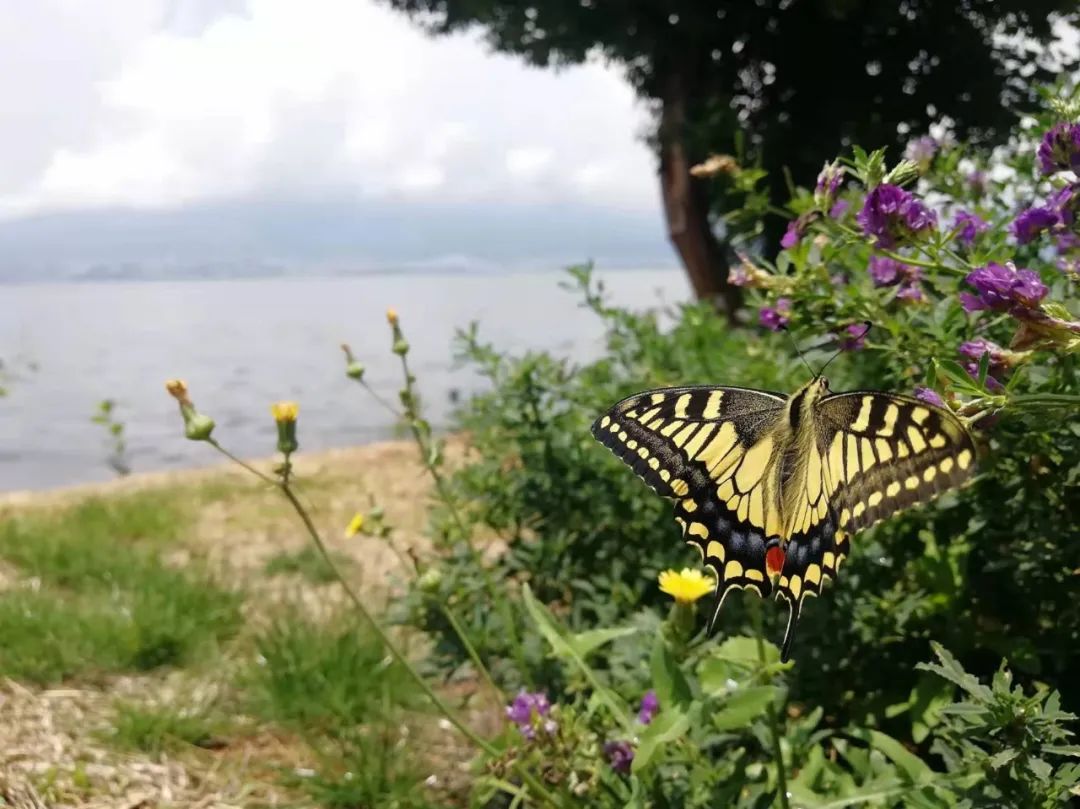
769	488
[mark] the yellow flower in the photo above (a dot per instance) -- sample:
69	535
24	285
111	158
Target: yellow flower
178	390
284	411
391	316
355	526
686	587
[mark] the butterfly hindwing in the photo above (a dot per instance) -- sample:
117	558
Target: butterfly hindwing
882	453
707	449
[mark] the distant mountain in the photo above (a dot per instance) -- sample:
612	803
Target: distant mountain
249	240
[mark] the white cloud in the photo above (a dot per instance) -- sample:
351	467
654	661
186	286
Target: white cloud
286	99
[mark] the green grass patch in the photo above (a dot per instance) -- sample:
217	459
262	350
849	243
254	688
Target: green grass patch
157	729
308	563
334	685
103	598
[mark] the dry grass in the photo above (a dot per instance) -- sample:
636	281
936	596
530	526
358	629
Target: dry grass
55	747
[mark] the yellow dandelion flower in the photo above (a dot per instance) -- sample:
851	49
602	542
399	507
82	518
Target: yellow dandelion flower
391	316
355	526
687	586
285	411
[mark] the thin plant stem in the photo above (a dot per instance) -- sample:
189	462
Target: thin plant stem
380	399
502	605
773	719
527	777
262	476
474	656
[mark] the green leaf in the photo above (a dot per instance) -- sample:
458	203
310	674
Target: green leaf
929	696
984	368
952	671
668	726
547	627
910	764
670	683
585	642
744	706
931	374
1000	759
1062	749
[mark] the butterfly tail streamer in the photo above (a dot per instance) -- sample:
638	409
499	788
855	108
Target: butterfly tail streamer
794	609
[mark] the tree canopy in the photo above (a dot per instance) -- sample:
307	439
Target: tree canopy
790	81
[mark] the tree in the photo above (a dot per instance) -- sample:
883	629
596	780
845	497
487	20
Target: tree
781	82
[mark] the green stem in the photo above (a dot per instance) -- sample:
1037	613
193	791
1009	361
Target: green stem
502	604
527	777
263	477
773	719
474	656
1045	398
385	404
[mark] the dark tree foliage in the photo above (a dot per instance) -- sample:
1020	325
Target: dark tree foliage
789	80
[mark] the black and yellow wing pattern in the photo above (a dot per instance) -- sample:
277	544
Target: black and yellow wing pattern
770	497
708	449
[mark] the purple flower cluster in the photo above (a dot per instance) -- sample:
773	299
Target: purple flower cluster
620	755
853	337
968	227
1003	288
891	214
1030	223
888	272
930	396
1060	149
775	318
650	705
793	235
974	350
529	711
828	184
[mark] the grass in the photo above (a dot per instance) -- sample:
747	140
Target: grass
157	729
335	685
102	599
307	563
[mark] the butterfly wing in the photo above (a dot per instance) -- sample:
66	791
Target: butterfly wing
875	454
710	449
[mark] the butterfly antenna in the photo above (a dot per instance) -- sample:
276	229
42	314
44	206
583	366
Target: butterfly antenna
799	351
867	325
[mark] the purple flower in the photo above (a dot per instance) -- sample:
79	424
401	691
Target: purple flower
828	183
1060	149
1003	288
968	227
775	318
620	755
839	208
974	349
930	396
854	337
887	272
991	384
529	711
650	704
890	213
792	236
921	151
1031	222
1064	203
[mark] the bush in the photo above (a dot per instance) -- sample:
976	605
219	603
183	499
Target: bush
967	281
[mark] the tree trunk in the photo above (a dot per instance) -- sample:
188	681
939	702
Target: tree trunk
687	210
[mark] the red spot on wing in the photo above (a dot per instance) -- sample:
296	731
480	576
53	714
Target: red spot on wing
774	560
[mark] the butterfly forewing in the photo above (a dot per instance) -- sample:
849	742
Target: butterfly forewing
882	453
708	449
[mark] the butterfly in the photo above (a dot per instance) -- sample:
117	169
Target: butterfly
770	488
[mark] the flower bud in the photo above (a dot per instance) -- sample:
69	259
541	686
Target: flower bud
197	427
392	316
285	414
178	390
401	346
355	370
430	580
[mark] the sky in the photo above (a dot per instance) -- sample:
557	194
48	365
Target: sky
328	130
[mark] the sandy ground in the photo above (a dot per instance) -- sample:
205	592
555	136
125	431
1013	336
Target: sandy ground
54	736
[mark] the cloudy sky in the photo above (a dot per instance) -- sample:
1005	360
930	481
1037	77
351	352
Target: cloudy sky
323	129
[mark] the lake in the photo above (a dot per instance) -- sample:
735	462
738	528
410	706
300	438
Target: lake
241	345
